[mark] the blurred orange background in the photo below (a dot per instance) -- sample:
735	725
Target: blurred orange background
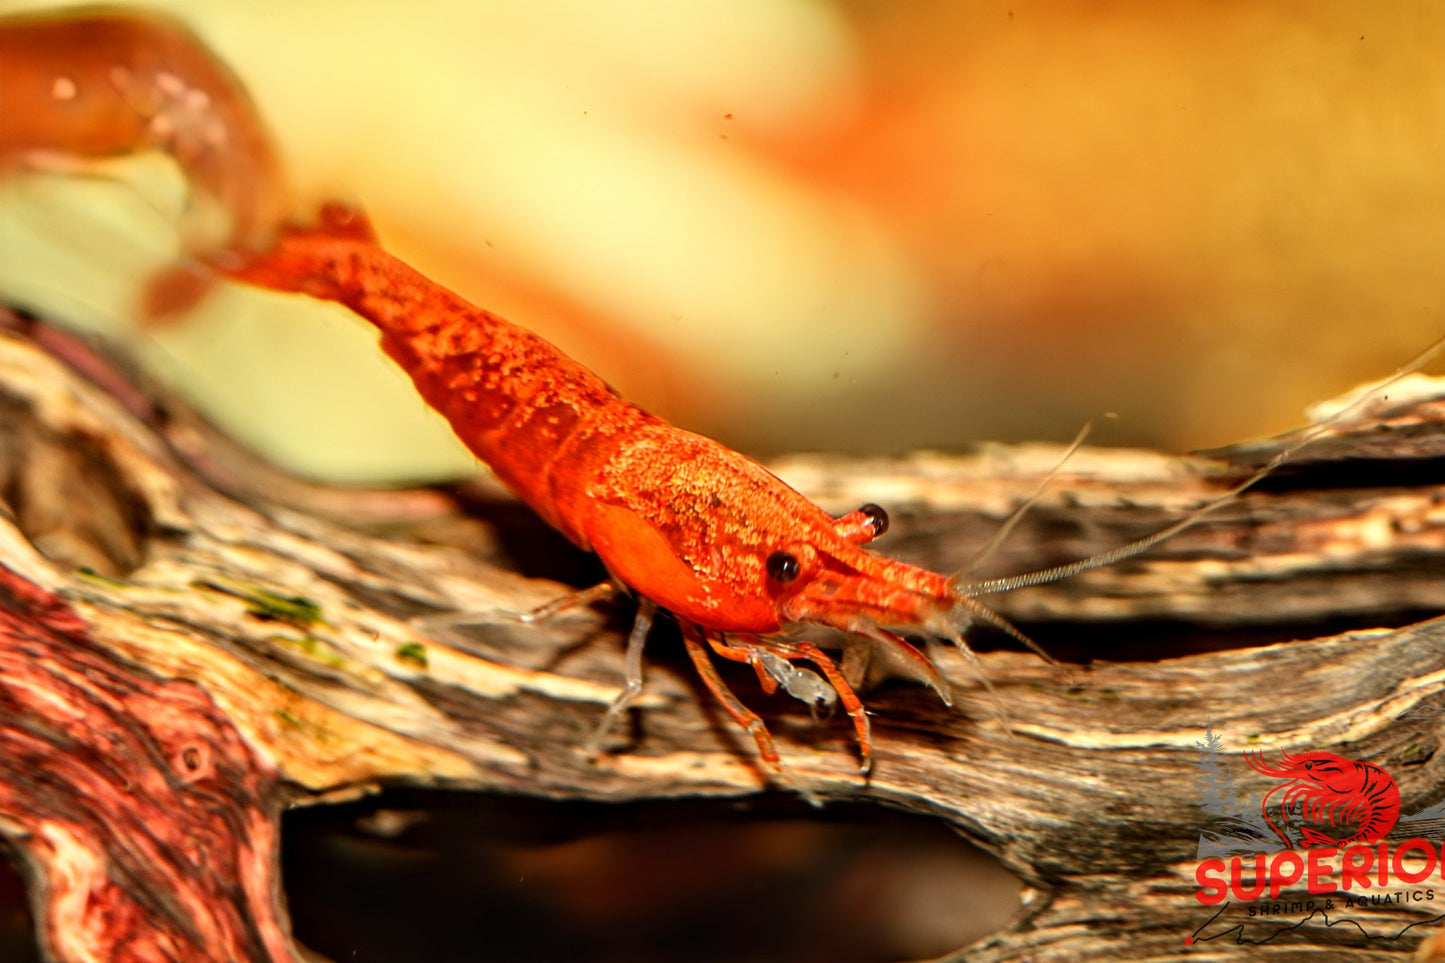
797	224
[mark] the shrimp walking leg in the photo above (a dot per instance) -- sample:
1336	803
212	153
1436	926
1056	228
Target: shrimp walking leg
745	717
572	600
543	612
632	665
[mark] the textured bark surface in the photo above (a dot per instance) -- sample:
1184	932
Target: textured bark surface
189	642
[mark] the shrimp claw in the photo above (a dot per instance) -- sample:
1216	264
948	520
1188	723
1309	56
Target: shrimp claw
772	660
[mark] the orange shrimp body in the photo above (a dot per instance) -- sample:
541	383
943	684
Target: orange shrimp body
78	86
688	524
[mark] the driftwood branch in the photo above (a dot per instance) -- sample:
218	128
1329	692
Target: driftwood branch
189	643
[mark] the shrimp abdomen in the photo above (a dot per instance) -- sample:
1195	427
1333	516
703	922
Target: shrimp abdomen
545	424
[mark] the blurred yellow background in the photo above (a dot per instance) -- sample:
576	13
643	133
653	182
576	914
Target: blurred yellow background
797	224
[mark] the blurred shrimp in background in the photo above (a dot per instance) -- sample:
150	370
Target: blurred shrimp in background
798	224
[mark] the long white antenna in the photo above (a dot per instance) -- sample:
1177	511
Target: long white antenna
1044	576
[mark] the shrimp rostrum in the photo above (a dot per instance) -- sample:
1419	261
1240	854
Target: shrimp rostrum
745	563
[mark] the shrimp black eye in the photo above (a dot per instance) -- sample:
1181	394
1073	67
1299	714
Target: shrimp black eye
783	566
877	516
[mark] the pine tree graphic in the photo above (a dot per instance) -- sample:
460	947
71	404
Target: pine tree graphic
1214	780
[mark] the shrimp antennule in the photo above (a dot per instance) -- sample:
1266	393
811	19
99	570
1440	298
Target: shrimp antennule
988	548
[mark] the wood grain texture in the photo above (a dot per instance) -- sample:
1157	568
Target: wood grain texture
190	642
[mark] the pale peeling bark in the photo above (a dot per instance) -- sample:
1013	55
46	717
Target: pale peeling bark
189	642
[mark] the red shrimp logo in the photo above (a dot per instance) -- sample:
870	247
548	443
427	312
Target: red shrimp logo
1332	791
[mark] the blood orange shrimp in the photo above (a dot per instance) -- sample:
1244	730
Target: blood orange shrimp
745	563
1334	790
80	86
